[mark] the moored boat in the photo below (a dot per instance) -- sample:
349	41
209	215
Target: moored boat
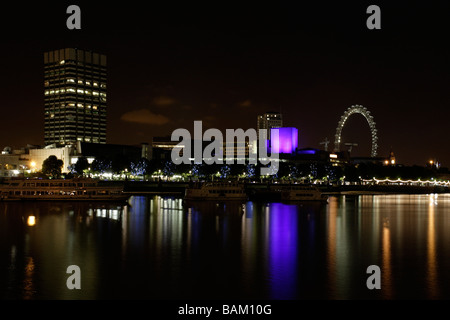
84	189
301	193
216	191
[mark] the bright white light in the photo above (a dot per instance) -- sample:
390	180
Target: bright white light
31	221
418	181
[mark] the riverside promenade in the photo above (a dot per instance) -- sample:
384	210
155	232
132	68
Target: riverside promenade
257	189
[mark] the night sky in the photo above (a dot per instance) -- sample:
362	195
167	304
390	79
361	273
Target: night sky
224	63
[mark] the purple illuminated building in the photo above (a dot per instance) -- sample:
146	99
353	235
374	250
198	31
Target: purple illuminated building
287	141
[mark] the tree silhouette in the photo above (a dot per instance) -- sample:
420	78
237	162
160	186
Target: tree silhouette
52	167
81	165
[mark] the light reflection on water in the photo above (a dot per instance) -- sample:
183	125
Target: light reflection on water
162	248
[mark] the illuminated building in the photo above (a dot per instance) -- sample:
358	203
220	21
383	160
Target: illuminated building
38	155
240	150
268	121
75	97
15	163
161	148
167	144
391	158
287	141
390	161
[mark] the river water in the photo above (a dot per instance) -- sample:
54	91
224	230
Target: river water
161	248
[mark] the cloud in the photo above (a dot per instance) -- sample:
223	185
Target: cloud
247	103
163	101
144	116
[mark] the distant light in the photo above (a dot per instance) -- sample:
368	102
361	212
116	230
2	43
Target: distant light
307	151
432	181
392	161
31	221
333	156
431	162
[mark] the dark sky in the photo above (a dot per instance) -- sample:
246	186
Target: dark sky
223	62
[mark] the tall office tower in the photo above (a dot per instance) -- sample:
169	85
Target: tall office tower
75	96
268	121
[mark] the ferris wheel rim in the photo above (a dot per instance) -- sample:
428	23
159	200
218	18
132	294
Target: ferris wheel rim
357	109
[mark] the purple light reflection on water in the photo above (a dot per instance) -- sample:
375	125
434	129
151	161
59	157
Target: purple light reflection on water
283	250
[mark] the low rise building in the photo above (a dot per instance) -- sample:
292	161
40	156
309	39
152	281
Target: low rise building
13	163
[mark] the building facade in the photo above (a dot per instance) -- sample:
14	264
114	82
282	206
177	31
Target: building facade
13	162
39	155
287	141
75	97
268	121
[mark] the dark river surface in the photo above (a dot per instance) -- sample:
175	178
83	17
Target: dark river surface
161	248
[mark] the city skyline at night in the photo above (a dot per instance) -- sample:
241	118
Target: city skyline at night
168	67
225	158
